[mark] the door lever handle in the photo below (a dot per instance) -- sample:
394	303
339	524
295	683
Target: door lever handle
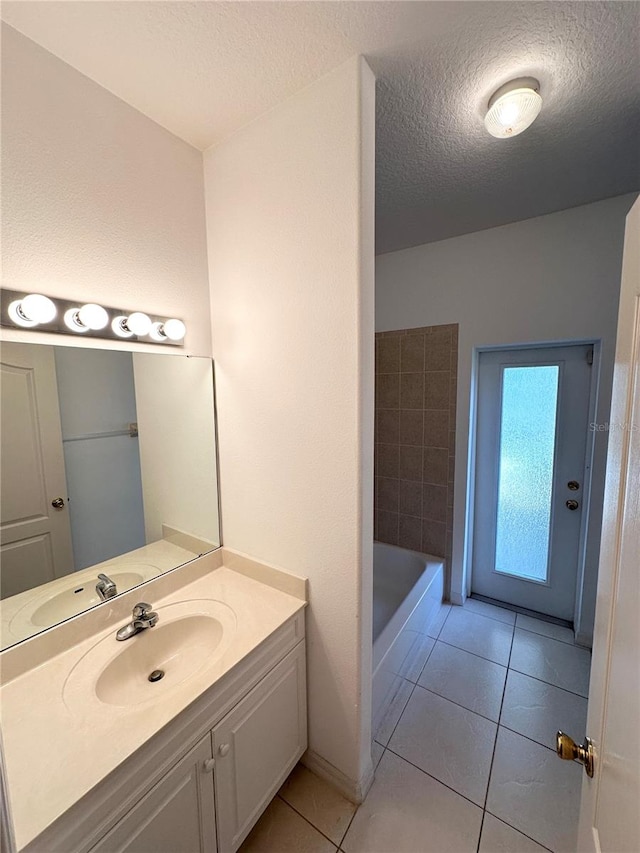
569	750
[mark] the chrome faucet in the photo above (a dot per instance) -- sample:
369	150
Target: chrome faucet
105	587
143	617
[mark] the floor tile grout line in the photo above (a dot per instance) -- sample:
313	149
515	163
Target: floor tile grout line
460	649
506	822
324	835
520	611
481	828
435	778
458	705
486	615
547	637
495	743
355	813
542	681
526	737
482	657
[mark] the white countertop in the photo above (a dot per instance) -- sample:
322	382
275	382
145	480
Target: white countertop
56	750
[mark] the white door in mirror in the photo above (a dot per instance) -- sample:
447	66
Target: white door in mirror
36	536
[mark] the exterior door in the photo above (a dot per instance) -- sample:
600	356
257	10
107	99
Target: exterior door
35	536
532	428
609	812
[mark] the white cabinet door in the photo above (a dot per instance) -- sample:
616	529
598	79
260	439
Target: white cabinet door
177	814
257	745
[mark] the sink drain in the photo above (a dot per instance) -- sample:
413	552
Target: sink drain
156	675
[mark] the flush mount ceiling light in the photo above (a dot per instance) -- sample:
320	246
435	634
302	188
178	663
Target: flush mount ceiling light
40	313
513	107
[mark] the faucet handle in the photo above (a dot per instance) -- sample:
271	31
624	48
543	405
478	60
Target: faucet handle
141	610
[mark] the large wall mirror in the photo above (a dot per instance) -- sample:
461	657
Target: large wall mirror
108	476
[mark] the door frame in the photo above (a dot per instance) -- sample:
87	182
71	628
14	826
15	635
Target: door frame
583	632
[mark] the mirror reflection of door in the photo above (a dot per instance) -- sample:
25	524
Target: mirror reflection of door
35	537
531	444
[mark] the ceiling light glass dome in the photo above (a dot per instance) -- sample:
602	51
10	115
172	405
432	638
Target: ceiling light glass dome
513	108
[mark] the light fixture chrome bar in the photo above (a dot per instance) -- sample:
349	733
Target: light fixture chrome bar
150	327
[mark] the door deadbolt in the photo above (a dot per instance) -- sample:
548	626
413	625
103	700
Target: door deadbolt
57	503
569	750
573	485
572	505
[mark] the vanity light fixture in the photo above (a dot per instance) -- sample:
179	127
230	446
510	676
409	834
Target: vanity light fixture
513	107
138	323
45	314
31	310
173	329
135	324
89	317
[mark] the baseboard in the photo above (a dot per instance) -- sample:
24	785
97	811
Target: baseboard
355	791
456	598
584	639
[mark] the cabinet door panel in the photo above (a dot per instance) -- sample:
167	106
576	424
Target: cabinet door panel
257	745
177	814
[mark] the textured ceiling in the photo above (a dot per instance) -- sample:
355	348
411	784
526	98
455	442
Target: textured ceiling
204	69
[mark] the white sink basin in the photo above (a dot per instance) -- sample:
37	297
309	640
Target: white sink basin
189	636
79	597
74	594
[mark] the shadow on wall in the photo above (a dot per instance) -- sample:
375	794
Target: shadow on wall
416	375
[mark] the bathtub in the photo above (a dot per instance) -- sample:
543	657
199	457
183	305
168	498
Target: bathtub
407	600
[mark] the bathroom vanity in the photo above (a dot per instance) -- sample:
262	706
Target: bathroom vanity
101	758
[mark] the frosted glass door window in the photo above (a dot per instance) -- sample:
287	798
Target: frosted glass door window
526	466
532	422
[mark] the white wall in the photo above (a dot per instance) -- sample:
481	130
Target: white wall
174	400
552	278
289	204
98	202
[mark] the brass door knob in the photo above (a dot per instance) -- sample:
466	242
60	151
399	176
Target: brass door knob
57	503
569	750
572	505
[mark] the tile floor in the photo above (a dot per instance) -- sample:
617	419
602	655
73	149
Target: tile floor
465	759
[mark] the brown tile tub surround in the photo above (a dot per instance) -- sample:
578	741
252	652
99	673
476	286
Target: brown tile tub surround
416	375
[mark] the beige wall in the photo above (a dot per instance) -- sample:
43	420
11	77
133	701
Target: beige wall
98	202
290	241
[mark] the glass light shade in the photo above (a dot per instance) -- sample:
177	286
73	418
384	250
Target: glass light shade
18	317
37	308
119	328
513	112
72	321
175	330
93	316
139	323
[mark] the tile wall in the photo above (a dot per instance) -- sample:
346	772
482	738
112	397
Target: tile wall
416	375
